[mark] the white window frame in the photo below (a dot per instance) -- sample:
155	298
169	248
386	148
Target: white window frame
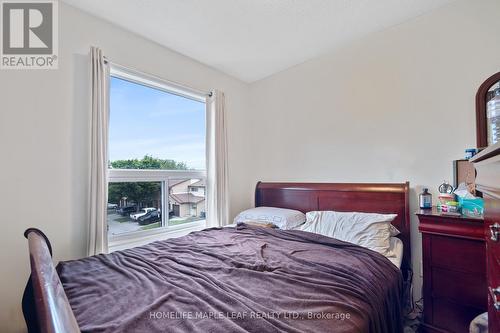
155	82
148	175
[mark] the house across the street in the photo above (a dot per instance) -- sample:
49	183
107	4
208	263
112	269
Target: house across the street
187	197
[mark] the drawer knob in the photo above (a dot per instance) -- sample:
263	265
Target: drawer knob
494	232
494	292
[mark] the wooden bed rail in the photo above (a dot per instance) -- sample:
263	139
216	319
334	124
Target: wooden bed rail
53	311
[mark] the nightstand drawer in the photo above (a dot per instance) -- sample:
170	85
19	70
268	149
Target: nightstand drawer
458	254
453	317
467	289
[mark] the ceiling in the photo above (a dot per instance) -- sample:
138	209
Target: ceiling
253	39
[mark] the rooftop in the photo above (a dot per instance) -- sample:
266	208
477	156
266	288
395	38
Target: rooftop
199	183
183	198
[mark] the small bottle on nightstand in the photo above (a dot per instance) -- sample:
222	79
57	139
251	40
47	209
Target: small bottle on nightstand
425	199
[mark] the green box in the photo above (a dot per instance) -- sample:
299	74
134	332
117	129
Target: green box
472	207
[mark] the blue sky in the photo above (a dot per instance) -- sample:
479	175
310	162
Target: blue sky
146	121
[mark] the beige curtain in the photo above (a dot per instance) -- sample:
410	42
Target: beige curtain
98	233
217	171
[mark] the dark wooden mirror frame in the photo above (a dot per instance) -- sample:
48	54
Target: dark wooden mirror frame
481	130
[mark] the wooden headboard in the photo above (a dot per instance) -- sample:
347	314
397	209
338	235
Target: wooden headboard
343	197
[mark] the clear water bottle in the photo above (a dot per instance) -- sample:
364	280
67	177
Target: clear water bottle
493	118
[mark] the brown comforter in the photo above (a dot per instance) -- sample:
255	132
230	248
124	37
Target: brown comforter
244	279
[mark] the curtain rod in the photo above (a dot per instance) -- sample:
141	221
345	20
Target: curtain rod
202	93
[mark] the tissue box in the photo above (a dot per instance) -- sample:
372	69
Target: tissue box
472	207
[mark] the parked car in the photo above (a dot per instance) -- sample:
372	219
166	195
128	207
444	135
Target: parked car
151	217
112	206
142	212
125	210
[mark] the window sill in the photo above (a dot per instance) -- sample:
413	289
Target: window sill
138	238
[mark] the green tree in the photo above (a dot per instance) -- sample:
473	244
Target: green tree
140	192
149	162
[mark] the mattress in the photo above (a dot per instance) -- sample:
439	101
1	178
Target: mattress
242	279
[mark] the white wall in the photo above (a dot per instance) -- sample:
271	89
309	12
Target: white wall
44	136
397	105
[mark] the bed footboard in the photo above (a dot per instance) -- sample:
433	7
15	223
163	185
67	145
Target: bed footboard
53	311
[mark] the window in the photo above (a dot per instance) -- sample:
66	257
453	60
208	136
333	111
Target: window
156	151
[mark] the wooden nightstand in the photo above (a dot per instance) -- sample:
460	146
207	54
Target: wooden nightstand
454	269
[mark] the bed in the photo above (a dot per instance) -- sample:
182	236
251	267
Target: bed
243	279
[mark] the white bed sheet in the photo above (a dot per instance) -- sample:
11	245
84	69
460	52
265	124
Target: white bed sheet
396	246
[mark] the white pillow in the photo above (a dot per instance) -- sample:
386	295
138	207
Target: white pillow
282	218
370	230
